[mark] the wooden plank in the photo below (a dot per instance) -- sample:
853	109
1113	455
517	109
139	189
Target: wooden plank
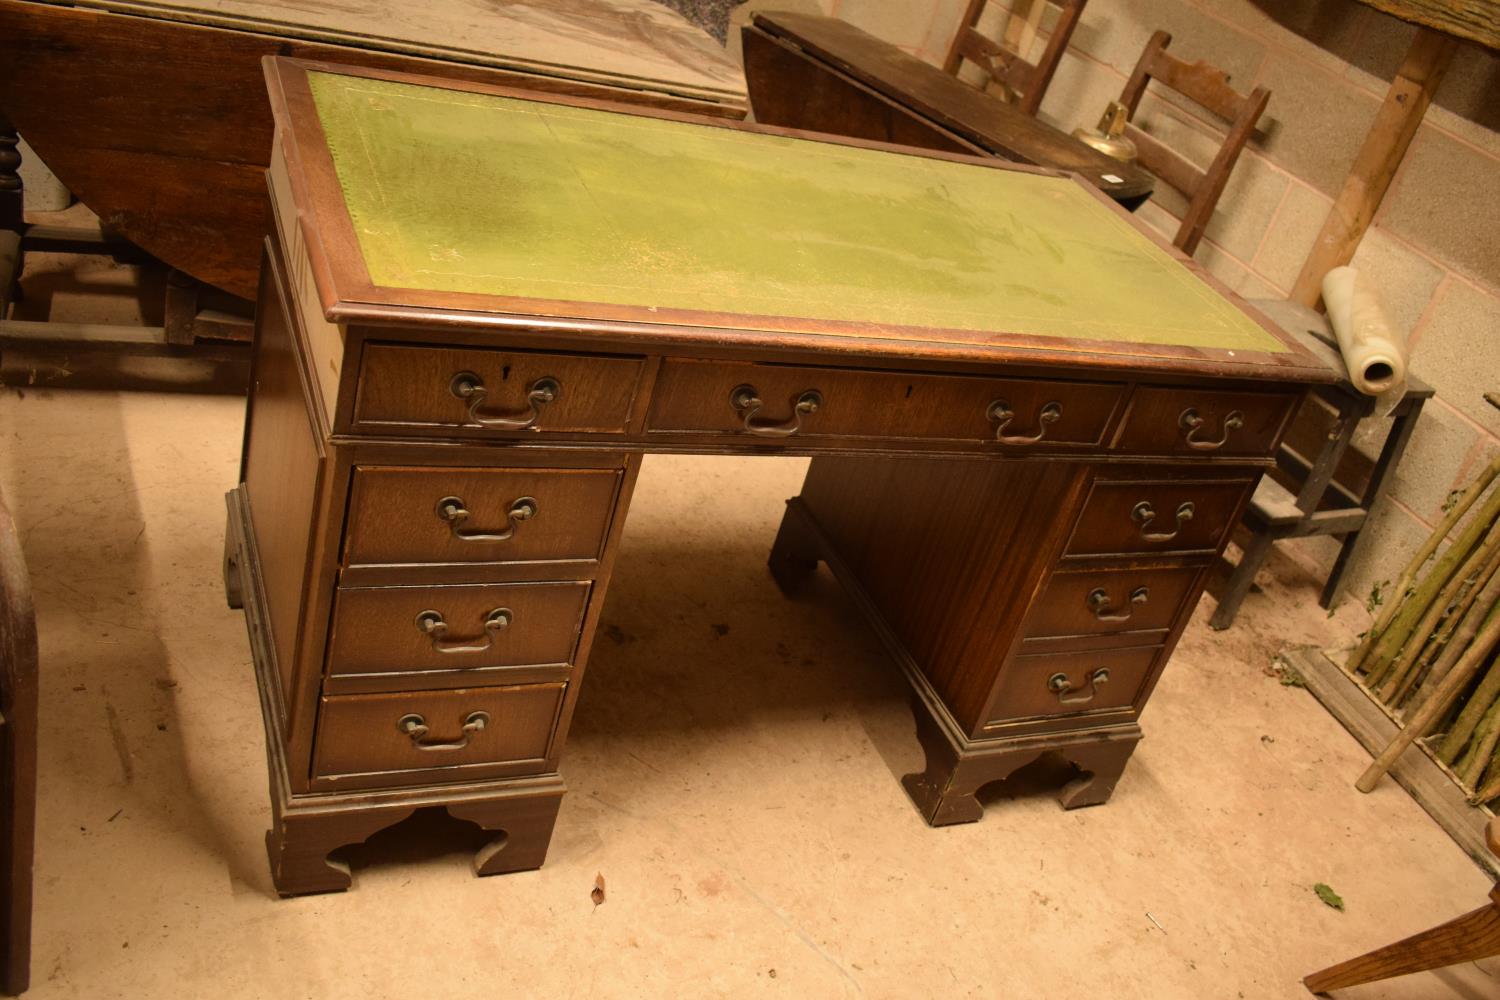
1416	771
81	355
1476	20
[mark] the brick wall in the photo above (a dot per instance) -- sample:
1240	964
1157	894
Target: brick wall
1434	250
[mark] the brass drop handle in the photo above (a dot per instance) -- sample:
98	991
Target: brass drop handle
456	512
1191	422
1099	604
469	386
1143	514
1002	414
747	403
415	727
431	624
1067	694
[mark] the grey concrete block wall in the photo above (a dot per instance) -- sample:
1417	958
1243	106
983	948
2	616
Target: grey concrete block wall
1434	250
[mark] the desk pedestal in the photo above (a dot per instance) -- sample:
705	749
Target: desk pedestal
427	523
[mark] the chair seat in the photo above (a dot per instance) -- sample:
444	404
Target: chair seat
1273	504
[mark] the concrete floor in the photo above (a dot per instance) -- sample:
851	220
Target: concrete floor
733	771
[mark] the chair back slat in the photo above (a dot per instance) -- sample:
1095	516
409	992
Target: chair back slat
1165	162
1208	87
1009	68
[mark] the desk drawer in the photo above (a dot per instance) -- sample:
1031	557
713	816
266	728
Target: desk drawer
419	731
1171	421
1055	684
778	402
1157	516
380	630
452	515
426	389
1097	601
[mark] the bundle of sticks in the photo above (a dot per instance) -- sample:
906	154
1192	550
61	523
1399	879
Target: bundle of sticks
1430	656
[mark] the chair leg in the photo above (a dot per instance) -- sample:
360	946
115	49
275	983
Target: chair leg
1470	937
1340	567
1239	583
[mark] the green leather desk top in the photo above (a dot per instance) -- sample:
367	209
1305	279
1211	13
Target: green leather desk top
451	191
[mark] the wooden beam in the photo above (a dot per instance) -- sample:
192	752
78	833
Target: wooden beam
1476	20
1385	145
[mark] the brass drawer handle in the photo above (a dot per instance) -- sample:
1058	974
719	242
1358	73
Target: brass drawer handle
430	623
747	403
1099	604
1067	694
1191	422
415	727
1143	514
455	512
1001	412
467	385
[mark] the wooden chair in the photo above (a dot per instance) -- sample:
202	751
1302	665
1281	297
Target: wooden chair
1205	86
18	683
1467	938
1026	82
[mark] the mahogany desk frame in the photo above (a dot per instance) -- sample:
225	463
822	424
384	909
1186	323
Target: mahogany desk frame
933	537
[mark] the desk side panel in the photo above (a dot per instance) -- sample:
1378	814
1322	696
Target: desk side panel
950	552
282	463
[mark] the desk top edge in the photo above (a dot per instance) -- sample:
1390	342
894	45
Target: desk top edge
348	296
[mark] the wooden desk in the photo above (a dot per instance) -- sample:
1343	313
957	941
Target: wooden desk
1034	426
825	75
153	113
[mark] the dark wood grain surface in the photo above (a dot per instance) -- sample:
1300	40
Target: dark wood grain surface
997	127
171	152
393	515
360	733
376	629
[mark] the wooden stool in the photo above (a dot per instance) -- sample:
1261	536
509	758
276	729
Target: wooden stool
1321	504
1467	938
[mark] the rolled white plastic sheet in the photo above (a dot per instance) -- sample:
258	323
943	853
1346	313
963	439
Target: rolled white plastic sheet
1374	351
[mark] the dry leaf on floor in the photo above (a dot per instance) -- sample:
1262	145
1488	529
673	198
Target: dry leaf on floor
597	895
1326	894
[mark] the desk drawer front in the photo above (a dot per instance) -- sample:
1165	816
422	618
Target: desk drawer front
399	629
427	389
452	515
1202	422
1055	684
778	402
1093	601
1166	516
412	731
